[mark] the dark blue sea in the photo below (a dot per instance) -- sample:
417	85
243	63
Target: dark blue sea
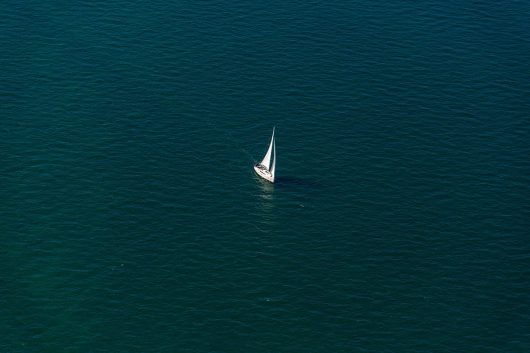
131	220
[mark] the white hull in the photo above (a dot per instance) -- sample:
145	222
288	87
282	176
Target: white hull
265	174
267	167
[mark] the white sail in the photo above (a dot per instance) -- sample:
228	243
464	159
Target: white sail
267	168
267	159
273	168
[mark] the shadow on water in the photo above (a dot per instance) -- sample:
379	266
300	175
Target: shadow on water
298	182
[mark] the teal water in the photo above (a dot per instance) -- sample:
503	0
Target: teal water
131	220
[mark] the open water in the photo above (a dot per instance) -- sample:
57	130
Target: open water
131	219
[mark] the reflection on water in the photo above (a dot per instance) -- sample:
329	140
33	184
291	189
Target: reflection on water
271	198
266	190
266	217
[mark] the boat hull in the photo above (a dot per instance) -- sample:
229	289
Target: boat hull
265	174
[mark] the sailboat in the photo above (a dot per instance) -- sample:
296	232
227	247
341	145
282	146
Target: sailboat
267	167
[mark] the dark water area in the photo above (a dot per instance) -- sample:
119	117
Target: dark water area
131	219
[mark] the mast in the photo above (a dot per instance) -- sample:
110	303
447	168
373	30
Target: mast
267	159
273	168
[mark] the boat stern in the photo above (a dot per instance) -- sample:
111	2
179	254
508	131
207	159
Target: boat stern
262	172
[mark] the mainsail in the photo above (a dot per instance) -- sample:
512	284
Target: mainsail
273	168
267	159
267	168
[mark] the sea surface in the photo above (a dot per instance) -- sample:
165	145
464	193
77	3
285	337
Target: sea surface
131	220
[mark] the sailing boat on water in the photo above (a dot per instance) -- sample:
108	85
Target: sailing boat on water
267	167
